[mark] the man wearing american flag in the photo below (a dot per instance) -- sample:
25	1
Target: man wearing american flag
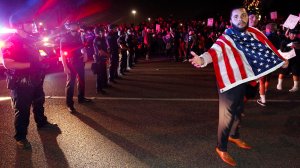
241	54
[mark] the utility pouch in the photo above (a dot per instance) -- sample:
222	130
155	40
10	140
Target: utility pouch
11	82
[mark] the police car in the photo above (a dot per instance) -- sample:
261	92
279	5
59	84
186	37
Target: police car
4	34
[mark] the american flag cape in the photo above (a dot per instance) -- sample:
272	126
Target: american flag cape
240	57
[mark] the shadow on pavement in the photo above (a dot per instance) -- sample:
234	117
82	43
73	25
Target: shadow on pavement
53	153
144	155
292	126
23	158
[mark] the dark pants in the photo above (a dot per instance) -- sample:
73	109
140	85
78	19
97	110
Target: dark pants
22	99
231	105
76	70
188	53
123	61
101	75
131	57
113	69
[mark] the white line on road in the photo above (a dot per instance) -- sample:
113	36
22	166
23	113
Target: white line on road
164	99
157	99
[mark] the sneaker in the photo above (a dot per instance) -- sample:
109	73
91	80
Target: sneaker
294	89
47	125
101	91
107	86
84	100
24	144
72	109
261	103
279	87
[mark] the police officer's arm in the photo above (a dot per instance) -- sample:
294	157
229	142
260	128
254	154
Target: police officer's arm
84	54
102	52
83	50
63	57
96	52
10	63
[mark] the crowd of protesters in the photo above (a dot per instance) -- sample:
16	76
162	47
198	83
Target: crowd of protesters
175	38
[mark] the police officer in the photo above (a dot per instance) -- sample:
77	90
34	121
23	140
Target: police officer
25	78
74	56
112	39
131	47
100	58
88	37
123	50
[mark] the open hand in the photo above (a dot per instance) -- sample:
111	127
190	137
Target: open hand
196	60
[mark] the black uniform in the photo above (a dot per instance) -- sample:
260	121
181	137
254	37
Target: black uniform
26	85
112	39
124	48
131	47
72	45
88	38
100	43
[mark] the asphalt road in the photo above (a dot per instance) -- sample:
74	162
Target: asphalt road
161	114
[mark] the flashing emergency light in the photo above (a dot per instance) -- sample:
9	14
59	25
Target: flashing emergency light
45	39
2	43
7	30
42	53
47	44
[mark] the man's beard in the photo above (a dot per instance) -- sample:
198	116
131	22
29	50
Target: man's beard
235	27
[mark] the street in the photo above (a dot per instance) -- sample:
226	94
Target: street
160	114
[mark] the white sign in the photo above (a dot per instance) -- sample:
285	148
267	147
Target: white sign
287	55
157	28
210	22
274	15
291	21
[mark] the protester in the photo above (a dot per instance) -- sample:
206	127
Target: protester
235	63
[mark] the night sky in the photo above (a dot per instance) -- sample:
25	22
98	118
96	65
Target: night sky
55	11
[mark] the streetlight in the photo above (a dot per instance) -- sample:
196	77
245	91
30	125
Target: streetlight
149	19
133	12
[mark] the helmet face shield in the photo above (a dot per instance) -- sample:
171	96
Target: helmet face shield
74	27
30	27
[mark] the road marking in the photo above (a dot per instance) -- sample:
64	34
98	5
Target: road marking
5	98
166	99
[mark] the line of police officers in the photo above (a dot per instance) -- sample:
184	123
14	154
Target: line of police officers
26	70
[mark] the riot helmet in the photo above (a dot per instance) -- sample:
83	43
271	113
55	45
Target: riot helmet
99	29
72	26
28	26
